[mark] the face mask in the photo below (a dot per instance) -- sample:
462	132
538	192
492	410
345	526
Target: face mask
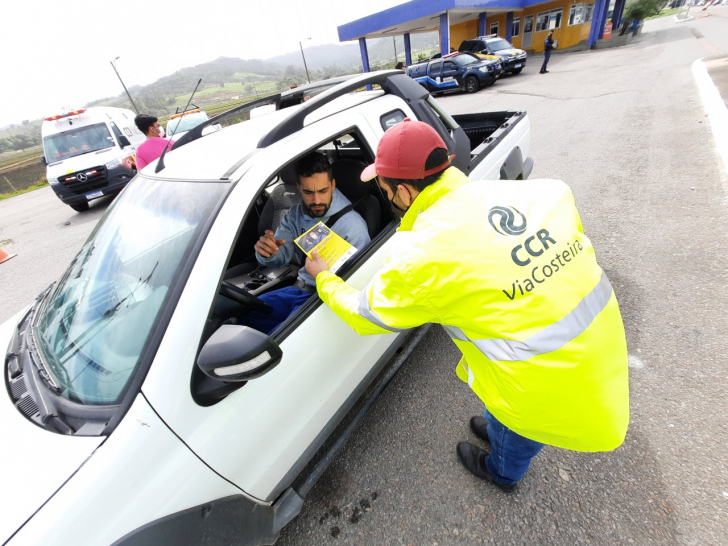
396	207
161	131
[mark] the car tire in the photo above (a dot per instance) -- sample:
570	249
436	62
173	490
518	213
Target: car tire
517	70
80	207
471	84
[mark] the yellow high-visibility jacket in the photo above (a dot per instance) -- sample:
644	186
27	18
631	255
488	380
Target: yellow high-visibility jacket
506	268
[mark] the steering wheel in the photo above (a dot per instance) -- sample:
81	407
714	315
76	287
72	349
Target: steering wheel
244	297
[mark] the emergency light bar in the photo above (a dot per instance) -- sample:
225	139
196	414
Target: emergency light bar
59	116
184	113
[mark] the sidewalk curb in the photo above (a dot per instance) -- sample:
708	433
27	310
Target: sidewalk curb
715	108
683	19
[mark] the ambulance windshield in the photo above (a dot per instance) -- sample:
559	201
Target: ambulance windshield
82	140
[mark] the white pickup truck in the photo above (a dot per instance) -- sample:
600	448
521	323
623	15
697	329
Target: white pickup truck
135	413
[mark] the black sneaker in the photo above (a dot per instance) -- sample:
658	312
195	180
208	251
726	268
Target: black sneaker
473	458
479	426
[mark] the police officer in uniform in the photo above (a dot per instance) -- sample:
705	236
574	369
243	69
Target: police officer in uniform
506	268
548	45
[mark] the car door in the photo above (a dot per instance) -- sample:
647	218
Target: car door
261	436
434	71
451	74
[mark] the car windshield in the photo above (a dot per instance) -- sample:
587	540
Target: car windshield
76	142
186	123
93	327
465	59
498	45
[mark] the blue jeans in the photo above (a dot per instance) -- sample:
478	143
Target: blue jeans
510	453
284	301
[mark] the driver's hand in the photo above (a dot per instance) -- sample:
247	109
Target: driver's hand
267	245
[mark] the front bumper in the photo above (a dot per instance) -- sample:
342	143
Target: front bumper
513	63
107	182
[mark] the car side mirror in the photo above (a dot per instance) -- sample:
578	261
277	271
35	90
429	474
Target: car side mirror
123	141
43	160
238	353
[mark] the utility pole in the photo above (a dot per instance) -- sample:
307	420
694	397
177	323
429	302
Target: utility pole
113	65
304	60
394	43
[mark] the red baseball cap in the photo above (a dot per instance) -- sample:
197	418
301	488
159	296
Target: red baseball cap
403	151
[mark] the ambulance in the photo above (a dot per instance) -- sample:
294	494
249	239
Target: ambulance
89	153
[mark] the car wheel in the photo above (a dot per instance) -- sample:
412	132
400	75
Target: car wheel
80	207
518	70
471	84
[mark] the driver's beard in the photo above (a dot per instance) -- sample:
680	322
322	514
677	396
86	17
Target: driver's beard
318	213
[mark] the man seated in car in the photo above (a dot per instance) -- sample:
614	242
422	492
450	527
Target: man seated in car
321	201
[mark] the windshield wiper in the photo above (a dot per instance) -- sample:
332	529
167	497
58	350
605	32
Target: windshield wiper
35	371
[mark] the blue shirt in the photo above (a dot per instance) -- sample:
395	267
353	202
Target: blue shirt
297	221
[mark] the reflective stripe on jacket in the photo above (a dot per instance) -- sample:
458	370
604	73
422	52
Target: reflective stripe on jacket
505	267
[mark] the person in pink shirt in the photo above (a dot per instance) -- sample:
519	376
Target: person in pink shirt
154	145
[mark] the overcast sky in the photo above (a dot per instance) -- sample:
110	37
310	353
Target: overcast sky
56	54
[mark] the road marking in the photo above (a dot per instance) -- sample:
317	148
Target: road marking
635	362
715	108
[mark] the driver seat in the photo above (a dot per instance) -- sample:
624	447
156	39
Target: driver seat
347	174
283	197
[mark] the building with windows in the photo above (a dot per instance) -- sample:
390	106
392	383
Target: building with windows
524	23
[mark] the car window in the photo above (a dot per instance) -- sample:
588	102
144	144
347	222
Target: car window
185	123
391	119
499	45
94	326
116	132
78	141
465	59
348	156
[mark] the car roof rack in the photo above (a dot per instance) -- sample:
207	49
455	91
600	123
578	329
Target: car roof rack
282	100
294	122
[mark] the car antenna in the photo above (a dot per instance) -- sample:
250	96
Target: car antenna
160	163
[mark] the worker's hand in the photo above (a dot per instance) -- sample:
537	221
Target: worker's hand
316	265
267	245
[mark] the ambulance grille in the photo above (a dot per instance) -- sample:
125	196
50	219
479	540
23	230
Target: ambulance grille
85	180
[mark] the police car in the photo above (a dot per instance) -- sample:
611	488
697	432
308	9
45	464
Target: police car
135	410
512	59
455	72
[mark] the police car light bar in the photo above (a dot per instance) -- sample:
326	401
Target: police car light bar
68	114
184	113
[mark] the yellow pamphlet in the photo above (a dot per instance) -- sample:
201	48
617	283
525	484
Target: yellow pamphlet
332	248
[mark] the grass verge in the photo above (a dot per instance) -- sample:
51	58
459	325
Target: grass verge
40	184
11	158
665	13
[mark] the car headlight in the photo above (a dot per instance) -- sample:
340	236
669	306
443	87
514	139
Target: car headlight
113	163
52	181
484	68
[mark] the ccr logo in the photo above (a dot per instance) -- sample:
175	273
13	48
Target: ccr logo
505	217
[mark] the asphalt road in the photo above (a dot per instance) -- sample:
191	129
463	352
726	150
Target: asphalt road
626	129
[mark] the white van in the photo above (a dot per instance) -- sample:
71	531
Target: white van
90	153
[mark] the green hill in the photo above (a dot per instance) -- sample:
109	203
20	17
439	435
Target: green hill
231	79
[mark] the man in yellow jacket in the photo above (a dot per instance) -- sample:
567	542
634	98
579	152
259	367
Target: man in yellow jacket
505	267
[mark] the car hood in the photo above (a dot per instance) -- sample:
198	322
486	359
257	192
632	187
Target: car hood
506	53
83	161
487	57
487	62
35	462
